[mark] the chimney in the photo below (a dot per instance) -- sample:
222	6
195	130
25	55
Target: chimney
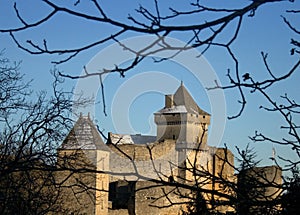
169	102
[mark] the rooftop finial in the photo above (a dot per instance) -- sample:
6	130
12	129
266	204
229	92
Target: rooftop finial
181	83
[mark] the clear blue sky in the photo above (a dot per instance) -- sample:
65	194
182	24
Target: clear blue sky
263	32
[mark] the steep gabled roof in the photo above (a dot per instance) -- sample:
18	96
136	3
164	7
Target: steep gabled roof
83	135
184	102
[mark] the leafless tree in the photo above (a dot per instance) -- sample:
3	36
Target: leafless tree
156	22
31	130
159	22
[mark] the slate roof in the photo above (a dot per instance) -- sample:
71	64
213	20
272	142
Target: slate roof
184	103
130	139
83	135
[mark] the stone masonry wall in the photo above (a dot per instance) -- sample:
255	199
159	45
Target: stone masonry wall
149	160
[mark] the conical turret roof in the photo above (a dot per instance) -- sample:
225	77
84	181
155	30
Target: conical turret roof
183	97
183	102
83	135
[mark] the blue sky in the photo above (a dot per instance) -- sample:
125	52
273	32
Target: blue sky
263	32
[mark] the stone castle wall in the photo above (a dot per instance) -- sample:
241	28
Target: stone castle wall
84	192
183	127
145	160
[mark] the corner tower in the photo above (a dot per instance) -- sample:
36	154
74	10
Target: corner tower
83	159
182	119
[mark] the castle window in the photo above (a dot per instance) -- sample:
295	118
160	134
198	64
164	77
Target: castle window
173	137
101	204
203	117
151	198
171	179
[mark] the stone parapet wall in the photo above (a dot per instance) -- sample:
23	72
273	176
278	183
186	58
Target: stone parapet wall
142	161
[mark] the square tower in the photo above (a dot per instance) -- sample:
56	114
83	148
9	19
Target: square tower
182	119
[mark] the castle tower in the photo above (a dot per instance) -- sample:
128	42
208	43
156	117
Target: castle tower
182	119
82	157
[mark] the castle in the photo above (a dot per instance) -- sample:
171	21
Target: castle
138	174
